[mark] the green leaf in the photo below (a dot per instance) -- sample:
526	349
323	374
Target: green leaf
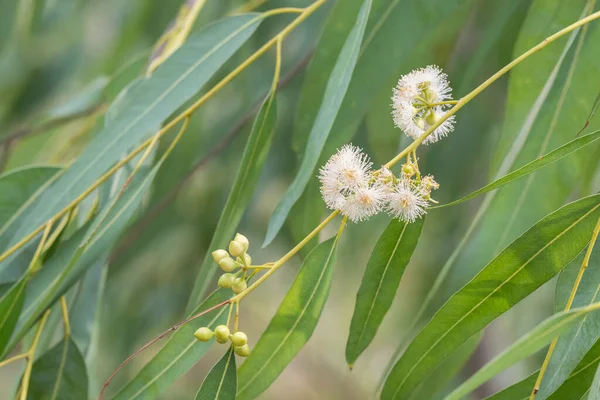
178	355
10	308
533	166
17	187
59	374
292	325
446	371
332	100
526	346
143	107
572	389
571	347
253	159
527	263
76	255
221	381
594	391
380	282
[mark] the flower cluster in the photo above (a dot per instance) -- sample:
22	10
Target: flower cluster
349	185
222	335
420	99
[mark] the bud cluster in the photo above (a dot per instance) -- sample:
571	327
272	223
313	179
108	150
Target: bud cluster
238	248
239	340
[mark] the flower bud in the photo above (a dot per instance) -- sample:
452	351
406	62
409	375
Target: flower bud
247	259
227	264
239	339
242	351
220	254
204	334
243	240
239	286
222	333
408	169
430	95
236	249
431	118
226	281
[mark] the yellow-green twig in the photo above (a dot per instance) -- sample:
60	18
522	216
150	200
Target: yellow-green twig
31	355
64	309
13	359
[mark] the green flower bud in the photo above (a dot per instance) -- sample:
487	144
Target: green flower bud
204	334
239	286
227	264
430	95
408	169
220	254
222	334
239	339
242	351
236	249
226	281
431	118
247	259
243	240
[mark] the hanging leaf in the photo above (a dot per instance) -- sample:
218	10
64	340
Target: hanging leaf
446	371
221	381
178	355
142	108
572	346
332	100
526	346
253	159
292	325
533	166
59	374
528	262
380	282
11	303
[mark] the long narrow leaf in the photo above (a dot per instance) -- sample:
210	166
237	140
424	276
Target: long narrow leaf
380	283
253	159
292	325
221	381
332	100
527	263
533	166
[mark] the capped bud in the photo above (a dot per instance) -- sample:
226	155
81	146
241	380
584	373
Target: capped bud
431	118
408	169
239	286
222	333
227	264
239	339
243	240
204	334
430	95
242	351
226	281
236	249
247	259
220	254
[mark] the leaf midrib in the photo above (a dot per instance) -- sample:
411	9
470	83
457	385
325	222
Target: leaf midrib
175	360
410	371
381	283
300	316
61	366
225	370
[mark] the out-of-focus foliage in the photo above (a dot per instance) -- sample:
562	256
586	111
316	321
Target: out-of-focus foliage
84	83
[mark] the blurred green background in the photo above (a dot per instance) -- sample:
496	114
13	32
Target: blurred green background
60	58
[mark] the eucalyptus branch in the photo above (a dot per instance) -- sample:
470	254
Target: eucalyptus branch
305	13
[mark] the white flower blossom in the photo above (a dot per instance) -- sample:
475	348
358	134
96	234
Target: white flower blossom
414	103
348	185
406	203
364	203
